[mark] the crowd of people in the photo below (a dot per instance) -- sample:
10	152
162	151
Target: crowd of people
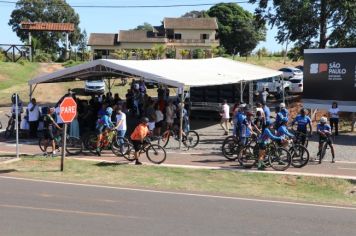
103	112
247	123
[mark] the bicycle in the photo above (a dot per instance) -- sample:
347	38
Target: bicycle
10	129
300	154
109	141
155	153
300	136
190	139
325	142
232	146
74	145
278	158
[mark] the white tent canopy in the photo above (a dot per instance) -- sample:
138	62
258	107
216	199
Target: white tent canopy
173	72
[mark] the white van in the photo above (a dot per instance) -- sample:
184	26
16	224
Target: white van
271	84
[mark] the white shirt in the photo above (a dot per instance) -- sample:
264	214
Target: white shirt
260	109
35	114
334	112
225	111
122	117
159	116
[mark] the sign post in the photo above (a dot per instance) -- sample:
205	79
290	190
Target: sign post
68	111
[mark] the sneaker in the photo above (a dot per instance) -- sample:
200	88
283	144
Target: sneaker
53	154
138	162
45	154
226	133
333	161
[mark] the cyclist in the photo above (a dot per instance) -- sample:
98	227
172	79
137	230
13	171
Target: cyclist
49	125
283	130
284	110
262	142
138	136
302	121
247	128
324	132
19	108
239	117
103	125
281	112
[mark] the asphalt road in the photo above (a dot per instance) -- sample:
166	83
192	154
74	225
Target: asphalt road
46	208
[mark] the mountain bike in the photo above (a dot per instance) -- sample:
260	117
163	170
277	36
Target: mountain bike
231	146
324	143
190	139
111	142
276	157
10	129
154	152
74	146
300	154
300	137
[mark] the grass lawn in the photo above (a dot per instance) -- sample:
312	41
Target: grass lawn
231	183
269	62
13	74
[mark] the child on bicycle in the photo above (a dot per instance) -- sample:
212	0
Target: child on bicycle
324	132
138	136
103	125
266	137
49	126
283	130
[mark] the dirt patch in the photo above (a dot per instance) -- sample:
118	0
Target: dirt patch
3	78
46	68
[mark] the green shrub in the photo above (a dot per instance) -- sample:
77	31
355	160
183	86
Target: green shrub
43	57
22	62
198	53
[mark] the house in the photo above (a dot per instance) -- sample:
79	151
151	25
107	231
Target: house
176	34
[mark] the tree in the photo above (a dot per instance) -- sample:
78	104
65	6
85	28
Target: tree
158	50
239	32
83	40
195	14
184	53
145	26
55	11
311	23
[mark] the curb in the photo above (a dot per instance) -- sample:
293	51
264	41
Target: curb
10	161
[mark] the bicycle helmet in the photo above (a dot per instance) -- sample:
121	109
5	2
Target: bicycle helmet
243	105
323	120
282	105
144	120
109	110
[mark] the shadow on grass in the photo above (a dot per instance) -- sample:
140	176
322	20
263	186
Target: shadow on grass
7	171
105	164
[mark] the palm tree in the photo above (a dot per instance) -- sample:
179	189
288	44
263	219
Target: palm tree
159	50
184	53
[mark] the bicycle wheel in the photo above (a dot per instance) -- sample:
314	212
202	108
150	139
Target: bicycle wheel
156	154
74	146
230	149
191	139
229	138
247	156
125	149
9	131
165	138
279	159
42	142
85	139
323	151
300	156
92	140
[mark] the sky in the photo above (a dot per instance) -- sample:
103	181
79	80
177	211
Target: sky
111	20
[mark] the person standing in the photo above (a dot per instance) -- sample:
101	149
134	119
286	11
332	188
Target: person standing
170	114
267	112
159	120
334	117
225	117
33	117
121	126
264	96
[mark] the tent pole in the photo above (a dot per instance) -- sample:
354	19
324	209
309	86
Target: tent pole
284	98
30	92
241	92
181	117
250	90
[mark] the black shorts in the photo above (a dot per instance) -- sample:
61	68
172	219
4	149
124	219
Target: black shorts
49	134
159	124
137	145
327	140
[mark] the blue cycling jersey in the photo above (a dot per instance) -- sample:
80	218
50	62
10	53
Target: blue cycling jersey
267	135
302	122
283	131
104	121
285	112
323	127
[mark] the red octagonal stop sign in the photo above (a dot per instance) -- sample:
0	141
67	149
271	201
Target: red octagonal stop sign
68	109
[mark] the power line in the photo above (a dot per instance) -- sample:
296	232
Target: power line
137	6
